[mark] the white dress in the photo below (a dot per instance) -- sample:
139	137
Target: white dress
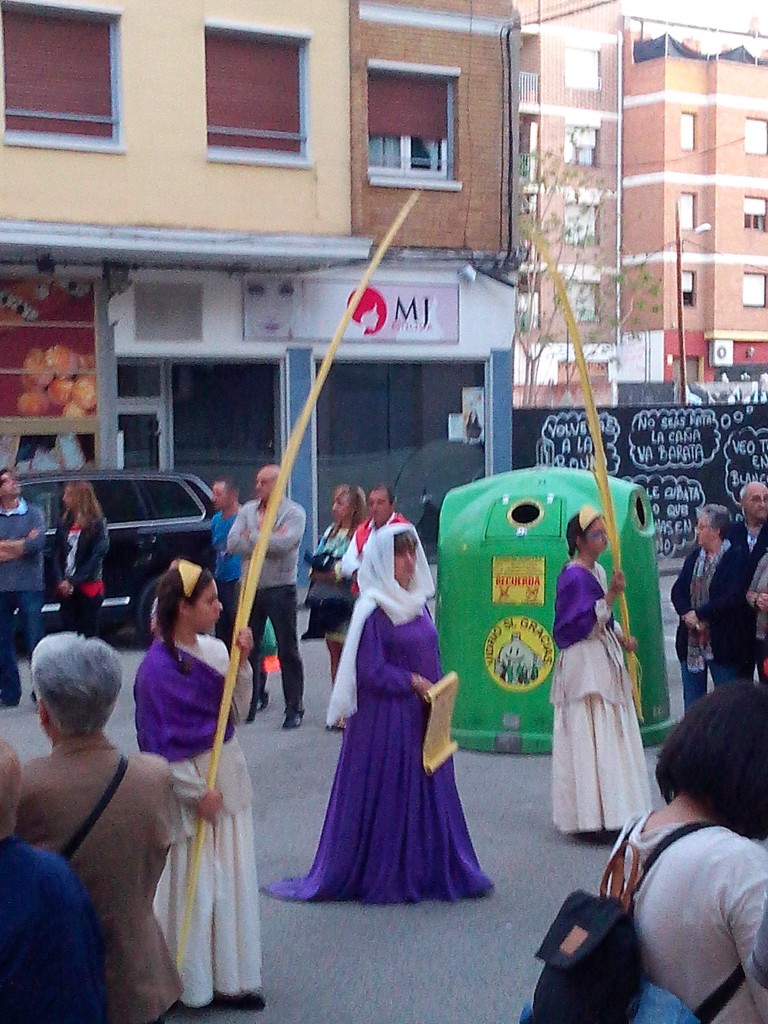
223	953
599	774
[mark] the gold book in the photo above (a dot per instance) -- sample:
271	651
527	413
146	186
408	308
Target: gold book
438	745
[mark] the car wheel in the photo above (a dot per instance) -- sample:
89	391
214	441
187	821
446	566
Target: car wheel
144	610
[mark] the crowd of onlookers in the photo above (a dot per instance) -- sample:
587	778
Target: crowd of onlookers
721	596
95	847
127	826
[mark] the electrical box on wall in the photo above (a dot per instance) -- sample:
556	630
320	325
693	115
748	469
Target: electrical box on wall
721	352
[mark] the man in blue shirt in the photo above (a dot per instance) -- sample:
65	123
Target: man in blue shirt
51	946
227	568
22	538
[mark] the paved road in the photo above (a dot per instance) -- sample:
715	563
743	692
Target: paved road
346	964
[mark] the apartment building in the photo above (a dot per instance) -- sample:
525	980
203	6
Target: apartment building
189	195
696	141
170	172
570	98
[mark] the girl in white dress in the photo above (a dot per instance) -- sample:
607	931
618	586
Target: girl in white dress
178	693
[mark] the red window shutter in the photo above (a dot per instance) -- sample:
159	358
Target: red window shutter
414	105
60	65
252	84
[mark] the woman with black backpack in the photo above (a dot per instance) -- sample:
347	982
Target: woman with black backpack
699	907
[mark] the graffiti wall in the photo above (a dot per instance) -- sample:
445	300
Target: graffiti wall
683	456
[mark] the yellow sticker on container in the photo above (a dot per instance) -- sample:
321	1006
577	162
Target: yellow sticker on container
518	581
519	653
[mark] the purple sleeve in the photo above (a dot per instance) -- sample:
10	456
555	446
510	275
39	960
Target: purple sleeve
577	593
149	730
374	673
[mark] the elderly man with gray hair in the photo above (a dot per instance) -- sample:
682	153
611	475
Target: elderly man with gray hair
111	816
708	595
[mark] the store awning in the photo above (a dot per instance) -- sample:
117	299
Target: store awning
32	242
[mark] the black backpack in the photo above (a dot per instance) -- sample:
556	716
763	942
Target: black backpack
591	953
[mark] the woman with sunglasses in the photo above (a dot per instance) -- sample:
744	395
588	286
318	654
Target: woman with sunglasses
599	774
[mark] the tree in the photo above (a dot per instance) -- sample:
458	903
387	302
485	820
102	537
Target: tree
575	214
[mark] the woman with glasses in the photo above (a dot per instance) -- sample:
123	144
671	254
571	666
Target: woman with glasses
599	775
714	635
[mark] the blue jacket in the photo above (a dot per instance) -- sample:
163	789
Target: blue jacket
726	612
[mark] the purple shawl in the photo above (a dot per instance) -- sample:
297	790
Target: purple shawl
578	591
177	704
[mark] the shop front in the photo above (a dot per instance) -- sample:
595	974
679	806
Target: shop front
211	370
49	415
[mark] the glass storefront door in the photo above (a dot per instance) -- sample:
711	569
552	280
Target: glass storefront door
224	419
138	440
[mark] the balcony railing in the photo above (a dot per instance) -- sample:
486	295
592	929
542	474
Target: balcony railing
529	87
527	168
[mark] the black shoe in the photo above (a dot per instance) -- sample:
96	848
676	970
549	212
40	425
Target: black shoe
260	704
293	719
247	1001
9	703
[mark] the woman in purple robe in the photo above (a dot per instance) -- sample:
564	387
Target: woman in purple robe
178	693
392	834
599	775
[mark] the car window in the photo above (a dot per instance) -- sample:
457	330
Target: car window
170	499
120	501
46	494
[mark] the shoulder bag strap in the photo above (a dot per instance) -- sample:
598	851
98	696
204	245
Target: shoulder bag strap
717	1000
666	842
714	1003
77	839
615	882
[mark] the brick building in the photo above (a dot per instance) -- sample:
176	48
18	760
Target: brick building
696	135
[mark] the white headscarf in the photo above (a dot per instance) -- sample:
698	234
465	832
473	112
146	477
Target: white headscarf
378	589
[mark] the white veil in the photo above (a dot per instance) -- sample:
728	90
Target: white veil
378	589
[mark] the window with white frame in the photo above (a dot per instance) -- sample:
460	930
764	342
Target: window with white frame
580	146
756	136
527	311
687	131
688	288
410	125
255	95
583	298
580	224
687	207
753	290
582	69
60	70
754	213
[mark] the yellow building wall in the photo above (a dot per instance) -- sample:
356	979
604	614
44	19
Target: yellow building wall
164	179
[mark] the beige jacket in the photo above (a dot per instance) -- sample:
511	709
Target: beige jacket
119	863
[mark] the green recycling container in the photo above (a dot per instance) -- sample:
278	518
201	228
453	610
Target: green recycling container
501	547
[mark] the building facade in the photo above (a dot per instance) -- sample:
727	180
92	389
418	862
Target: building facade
187	205
696	146
570	141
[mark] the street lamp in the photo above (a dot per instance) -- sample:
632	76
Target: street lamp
699	230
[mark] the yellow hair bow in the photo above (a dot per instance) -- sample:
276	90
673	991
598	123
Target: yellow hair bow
190	574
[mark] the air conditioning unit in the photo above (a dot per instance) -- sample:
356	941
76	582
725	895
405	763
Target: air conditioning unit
721	352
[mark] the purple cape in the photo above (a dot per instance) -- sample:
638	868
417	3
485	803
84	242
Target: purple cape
392	834
177	704
578	591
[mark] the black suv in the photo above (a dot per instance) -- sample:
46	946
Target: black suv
153	518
